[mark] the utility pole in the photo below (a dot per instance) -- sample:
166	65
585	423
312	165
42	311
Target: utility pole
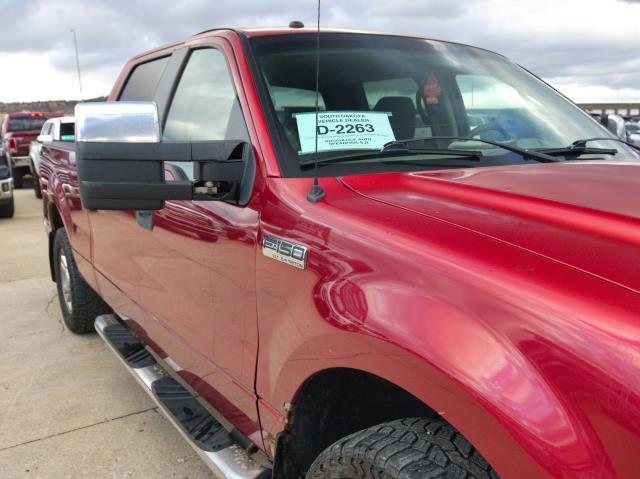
75	42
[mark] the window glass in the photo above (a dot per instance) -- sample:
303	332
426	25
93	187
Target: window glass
377	90
205	106
26	123
427	88
491	102
387	95
287	102
144	80
67	132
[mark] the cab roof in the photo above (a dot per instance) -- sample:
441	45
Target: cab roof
273	31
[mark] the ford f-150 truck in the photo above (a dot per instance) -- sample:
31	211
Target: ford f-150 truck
17	132
387	257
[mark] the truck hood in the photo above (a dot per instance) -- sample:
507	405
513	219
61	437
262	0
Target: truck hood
583	214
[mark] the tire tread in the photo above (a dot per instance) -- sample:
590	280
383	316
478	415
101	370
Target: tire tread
87	305
409	448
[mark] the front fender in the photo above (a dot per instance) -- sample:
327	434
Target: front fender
536	363
517	395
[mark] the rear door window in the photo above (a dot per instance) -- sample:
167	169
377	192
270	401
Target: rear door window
143	81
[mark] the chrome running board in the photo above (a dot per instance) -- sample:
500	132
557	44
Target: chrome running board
213	443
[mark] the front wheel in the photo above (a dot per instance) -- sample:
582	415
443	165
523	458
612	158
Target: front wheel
79	303
417	448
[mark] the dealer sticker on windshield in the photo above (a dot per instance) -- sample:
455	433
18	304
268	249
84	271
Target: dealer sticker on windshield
344	130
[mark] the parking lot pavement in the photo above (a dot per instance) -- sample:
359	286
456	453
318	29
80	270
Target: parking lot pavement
68	409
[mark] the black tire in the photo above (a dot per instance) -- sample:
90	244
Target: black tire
417	448
36	186
85	304
17	178
7	211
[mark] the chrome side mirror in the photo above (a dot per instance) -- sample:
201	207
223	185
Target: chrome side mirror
120	158
117	122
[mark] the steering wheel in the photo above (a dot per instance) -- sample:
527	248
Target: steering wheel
487	127
478	130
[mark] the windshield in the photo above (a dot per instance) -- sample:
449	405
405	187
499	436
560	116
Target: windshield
26	123
633	128
374	89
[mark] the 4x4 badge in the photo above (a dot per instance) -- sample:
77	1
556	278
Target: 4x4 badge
285	251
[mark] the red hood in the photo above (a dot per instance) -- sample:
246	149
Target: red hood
584	214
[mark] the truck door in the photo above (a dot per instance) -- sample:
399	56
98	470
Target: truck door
116	235
197	267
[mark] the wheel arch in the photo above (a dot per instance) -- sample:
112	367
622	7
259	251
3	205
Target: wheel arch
508	443
55	222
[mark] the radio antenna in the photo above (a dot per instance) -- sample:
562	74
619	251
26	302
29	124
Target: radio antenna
317	193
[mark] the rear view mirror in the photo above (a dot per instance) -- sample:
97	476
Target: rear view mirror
120	160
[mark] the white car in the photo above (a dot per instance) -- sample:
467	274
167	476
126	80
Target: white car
55	130
632	131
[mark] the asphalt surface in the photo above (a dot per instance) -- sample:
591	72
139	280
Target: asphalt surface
68	408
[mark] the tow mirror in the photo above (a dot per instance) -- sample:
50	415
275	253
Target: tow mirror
120	158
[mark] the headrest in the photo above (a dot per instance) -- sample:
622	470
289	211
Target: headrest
403	115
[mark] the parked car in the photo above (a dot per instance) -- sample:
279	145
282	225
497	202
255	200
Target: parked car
6	193
632	132
359	281
17	132
54	130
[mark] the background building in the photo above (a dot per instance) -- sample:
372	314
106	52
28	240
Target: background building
626	110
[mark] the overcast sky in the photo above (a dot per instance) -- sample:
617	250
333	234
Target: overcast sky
588	49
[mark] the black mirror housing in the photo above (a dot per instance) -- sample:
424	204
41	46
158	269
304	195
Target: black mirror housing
131	176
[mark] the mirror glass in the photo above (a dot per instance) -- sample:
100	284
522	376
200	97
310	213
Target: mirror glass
117	122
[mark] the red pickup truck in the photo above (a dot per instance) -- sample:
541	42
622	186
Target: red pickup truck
419	263
17	132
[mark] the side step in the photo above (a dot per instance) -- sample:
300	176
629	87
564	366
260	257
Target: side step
213	443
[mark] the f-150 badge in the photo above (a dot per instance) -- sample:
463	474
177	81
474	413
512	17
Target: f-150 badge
285	251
